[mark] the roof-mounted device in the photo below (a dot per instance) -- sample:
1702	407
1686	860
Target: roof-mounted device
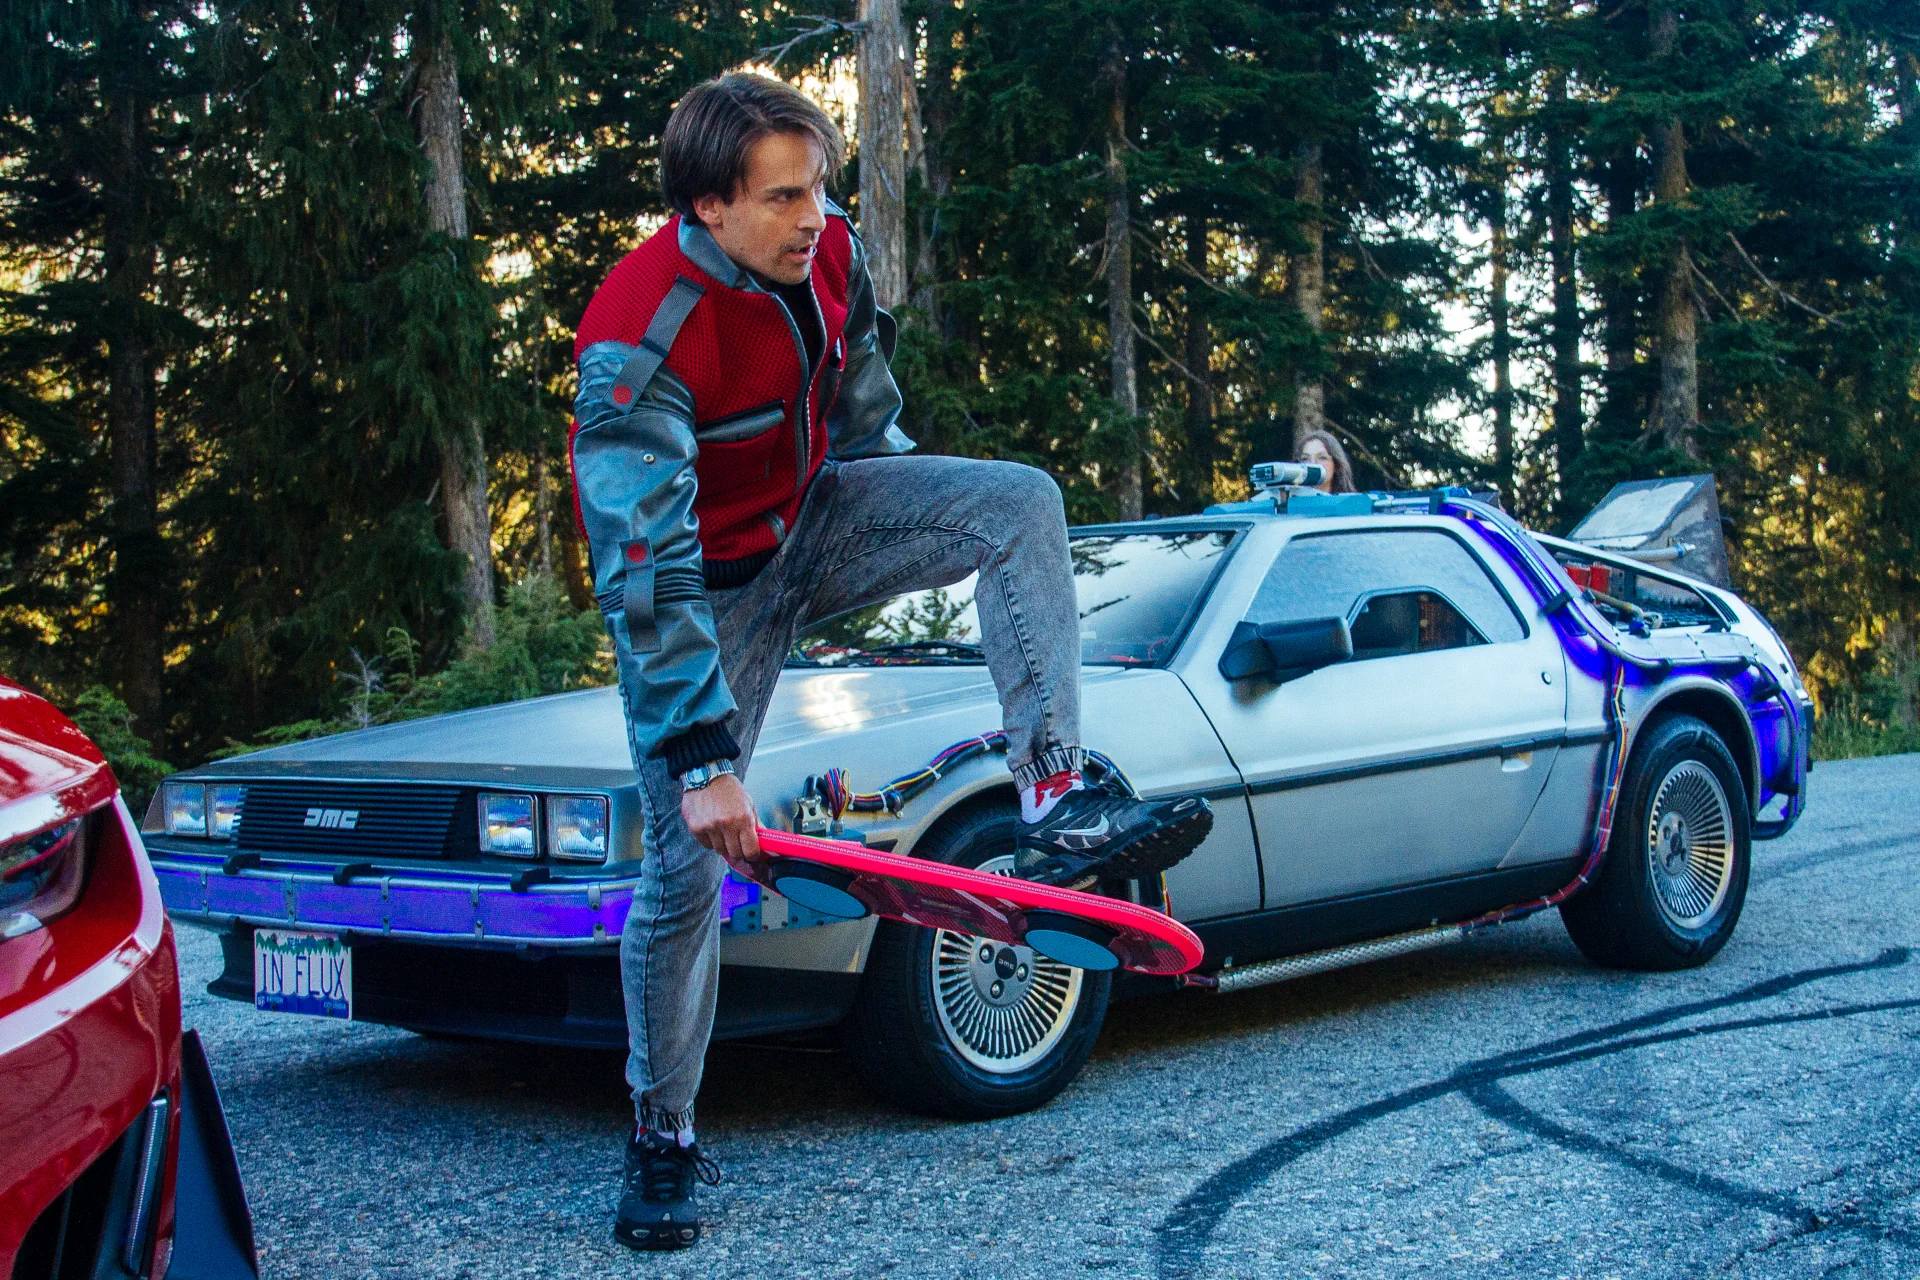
1288	488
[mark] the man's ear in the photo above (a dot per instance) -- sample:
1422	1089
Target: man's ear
707	208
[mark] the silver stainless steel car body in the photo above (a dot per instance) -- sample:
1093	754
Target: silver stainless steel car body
1366	798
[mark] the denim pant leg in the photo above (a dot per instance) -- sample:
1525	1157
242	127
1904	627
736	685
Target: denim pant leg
908	523
670	948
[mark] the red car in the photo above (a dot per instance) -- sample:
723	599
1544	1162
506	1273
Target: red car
114	1156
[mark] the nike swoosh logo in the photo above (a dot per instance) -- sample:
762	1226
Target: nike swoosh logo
1090	833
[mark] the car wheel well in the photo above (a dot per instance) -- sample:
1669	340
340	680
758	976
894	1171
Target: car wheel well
998	795
1722	716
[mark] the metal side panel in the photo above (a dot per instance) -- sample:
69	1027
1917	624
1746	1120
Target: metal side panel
1564	816
1151	725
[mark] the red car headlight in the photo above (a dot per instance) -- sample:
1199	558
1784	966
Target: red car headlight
41	876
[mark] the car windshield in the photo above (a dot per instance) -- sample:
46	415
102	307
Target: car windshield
1136	592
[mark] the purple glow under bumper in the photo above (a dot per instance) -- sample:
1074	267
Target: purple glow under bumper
445	907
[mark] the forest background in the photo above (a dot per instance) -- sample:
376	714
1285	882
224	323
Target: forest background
287	290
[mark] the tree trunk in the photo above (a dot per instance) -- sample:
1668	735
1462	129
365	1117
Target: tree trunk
139	578
883	173
542	508
1569	432
1502	345
463	456
1198	356
1126	394
1619	407
1307	287
934	183
1676	413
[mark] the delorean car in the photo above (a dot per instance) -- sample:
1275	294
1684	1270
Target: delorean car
1414	719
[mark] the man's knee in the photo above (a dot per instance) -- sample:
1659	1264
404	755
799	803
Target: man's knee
1025	491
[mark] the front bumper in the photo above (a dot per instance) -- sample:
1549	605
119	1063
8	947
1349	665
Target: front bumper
472	907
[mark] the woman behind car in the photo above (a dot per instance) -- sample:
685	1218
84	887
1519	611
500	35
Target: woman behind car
1320	449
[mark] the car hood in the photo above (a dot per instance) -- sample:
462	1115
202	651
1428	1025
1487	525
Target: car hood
582	734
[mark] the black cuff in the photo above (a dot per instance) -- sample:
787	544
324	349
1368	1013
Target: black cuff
702	744
723	575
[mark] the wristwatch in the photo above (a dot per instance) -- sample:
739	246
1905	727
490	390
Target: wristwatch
703	774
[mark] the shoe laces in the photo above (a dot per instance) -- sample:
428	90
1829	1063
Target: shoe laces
667	1172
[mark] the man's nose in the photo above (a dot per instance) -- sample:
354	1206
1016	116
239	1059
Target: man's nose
813	212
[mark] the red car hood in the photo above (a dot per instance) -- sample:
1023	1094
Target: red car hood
49	771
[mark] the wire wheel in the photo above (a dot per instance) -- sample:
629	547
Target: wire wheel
1002	1007
1690	844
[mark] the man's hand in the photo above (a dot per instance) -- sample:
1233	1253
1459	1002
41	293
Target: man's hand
721	817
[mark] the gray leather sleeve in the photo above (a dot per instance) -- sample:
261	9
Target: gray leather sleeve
863	422
633	465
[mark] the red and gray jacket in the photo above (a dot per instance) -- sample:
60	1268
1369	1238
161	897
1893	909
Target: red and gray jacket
698	425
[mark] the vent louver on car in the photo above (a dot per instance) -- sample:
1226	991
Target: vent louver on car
347	818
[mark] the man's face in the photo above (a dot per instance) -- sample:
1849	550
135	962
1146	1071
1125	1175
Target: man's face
773	223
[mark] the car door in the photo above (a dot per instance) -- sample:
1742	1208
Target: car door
1419	759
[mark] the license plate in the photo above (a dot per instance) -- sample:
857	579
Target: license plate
298	972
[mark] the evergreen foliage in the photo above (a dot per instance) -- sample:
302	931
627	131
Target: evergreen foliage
232	350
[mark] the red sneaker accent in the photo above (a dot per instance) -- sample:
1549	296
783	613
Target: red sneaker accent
1057	785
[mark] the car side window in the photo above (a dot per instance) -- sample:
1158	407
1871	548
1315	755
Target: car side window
1400	622
1420	588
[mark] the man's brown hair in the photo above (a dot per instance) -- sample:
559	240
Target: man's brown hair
704	150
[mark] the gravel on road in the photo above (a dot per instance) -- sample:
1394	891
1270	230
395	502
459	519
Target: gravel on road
1499	1107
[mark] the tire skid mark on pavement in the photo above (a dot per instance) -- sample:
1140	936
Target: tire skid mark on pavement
1187	1229
1814	859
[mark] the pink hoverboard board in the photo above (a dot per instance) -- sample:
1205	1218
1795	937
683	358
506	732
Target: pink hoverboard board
844	879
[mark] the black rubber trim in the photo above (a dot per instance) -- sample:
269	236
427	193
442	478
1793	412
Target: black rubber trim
1297	928
525	880
1431	760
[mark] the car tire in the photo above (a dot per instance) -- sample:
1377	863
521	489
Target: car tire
1669	891
927	1032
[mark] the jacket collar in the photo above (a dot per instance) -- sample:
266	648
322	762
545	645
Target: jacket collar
705	252
698	244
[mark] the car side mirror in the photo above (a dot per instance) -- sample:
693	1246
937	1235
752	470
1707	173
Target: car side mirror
1283	651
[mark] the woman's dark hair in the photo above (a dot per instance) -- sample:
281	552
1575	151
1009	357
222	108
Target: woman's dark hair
1342	468
704	150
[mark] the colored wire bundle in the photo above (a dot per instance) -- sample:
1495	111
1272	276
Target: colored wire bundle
841	798
837	793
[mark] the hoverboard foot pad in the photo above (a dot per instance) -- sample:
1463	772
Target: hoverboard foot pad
817	888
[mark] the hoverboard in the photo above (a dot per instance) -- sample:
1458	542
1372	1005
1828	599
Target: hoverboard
850	881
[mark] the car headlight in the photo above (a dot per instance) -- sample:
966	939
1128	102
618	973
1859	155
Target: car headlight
184	808
41	876
223	809
577	828
506	824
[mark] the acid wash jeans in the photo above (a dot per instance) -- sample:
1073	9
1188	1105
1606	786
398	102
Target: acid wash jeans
869	530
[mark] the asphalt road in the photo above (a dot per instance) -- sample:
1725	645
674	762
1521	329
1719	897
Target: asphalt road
1498	1108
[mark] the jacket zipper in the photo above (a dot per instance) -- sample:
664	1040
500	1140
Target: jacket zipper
802	415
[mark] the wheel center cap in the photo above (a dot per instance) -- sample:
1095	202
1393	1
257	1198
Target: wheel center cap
1001	974
1675	846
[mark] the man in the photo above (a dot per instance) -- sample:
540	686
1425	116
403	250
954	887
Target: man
737	470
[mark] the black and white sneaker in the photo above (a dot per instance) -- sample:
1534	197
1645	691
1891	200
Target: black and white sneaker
1097	833
656	1196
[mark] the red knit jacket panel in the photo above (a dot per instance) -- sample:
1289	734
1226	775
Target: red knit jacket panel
737	355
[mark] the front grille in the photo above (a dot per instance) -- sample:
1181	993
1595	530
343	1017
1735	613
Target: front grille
347	819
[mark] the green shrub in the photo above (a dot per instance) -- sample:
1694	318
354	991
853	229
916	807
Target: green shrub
1859	723
106	719
541	646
